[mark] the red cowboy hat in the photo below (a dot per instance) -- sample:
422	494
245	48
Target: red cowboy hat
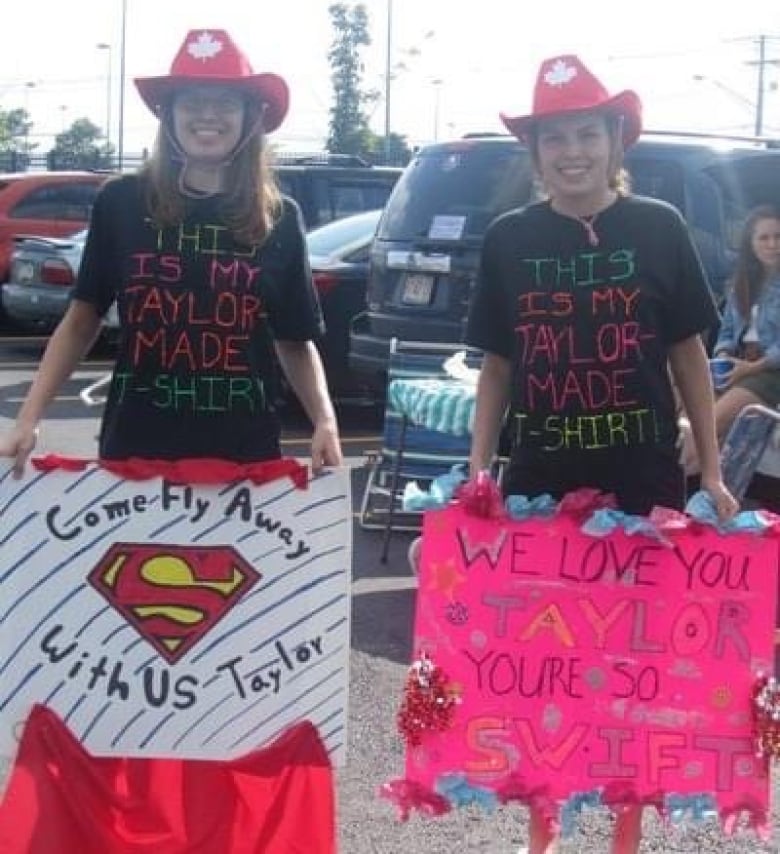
211	56
564	85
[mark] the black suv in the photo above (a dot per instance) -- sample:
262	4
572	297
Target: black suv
425	256
334	186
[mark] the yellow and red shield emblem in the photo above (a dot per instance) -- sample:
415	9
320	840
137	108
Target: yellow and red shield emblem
172	595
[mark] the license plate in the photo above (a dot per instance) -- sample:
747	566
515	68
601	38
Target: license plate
24	272
418	289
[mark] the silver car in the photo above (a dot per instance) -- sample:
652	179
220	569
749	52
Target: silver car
43	273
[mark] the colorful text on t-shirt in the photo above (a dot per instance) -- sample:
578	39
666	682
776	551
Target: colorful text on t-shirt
580	344
190	307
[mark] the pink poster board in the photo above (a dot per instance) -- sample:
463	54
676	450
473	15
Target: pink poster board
594	669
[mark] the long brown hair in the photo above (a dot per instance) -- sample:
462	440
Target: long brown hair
749	274
251	203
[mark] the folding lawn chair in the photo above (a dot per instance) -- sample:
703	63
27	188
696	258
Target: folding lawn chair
409	451
745	445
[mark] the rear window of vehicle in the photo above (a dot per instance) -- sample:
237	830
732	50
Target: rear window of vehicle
57	201
331	237
696	195
746	180
472	184
336	198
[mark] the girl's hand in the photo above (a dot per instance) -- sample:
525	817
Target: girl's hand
19	444
741	368
325	446
726	505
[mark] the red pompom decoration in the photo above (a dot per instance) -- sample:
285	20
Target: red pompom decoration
766	716
428	704
481	497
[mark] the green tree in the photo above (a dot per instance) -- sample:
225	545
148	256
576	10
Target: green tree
15	145
15	128
79	147
348	131
397	151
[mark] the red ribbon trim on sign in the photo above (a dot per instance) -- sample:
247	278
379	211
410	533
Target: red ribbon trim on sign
207	470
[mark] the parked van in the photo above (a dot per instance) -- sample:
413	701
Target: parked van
425	256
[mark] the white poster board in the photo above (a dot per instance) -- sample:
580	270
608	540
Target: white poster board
174	620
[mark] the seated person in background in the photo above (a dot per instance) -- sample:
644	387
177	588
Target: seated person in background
750	331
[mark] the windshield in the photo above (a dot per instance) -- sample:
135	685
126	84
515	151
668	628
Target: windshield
456	191
329	238
746	179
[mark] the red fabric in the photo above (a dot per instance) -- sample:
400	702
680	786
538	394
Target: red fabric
186	471
60	799
51	462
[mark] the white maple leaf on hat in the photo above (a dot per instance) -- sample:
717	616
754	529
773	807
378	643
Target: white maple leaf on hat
560	73
204	47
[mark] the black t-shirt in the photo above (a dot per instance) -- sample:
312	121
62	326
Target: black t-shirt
195	374
588	328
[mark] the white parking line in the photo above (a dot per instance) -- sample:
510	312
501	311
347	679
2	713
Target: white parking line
383	584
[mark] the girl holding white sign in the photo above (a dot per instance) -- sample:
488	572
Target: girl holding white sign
207	265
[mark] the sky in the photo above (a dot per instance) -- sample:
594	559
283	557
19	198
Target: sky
454	64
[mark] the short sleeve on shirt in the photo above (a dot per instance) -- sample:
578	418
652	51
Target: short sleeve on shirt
690	308
95	283
490	317
294	311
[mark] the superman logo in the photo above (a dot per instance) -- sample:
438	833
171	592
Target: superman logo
172	595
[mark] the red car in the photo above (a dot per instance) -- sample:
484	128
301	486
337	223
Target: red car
46	204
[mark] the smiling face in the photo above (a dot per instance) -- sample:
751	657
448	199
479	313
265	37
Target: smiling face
576	156
765	242
208	122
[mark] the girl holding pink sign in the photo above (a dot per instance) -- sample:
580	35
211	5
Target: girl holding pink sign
584	302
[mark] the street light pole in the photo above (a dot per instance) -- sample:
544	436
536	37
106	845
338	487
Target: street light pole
437	83
107	47
121	129
388	70
760	93
28	87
